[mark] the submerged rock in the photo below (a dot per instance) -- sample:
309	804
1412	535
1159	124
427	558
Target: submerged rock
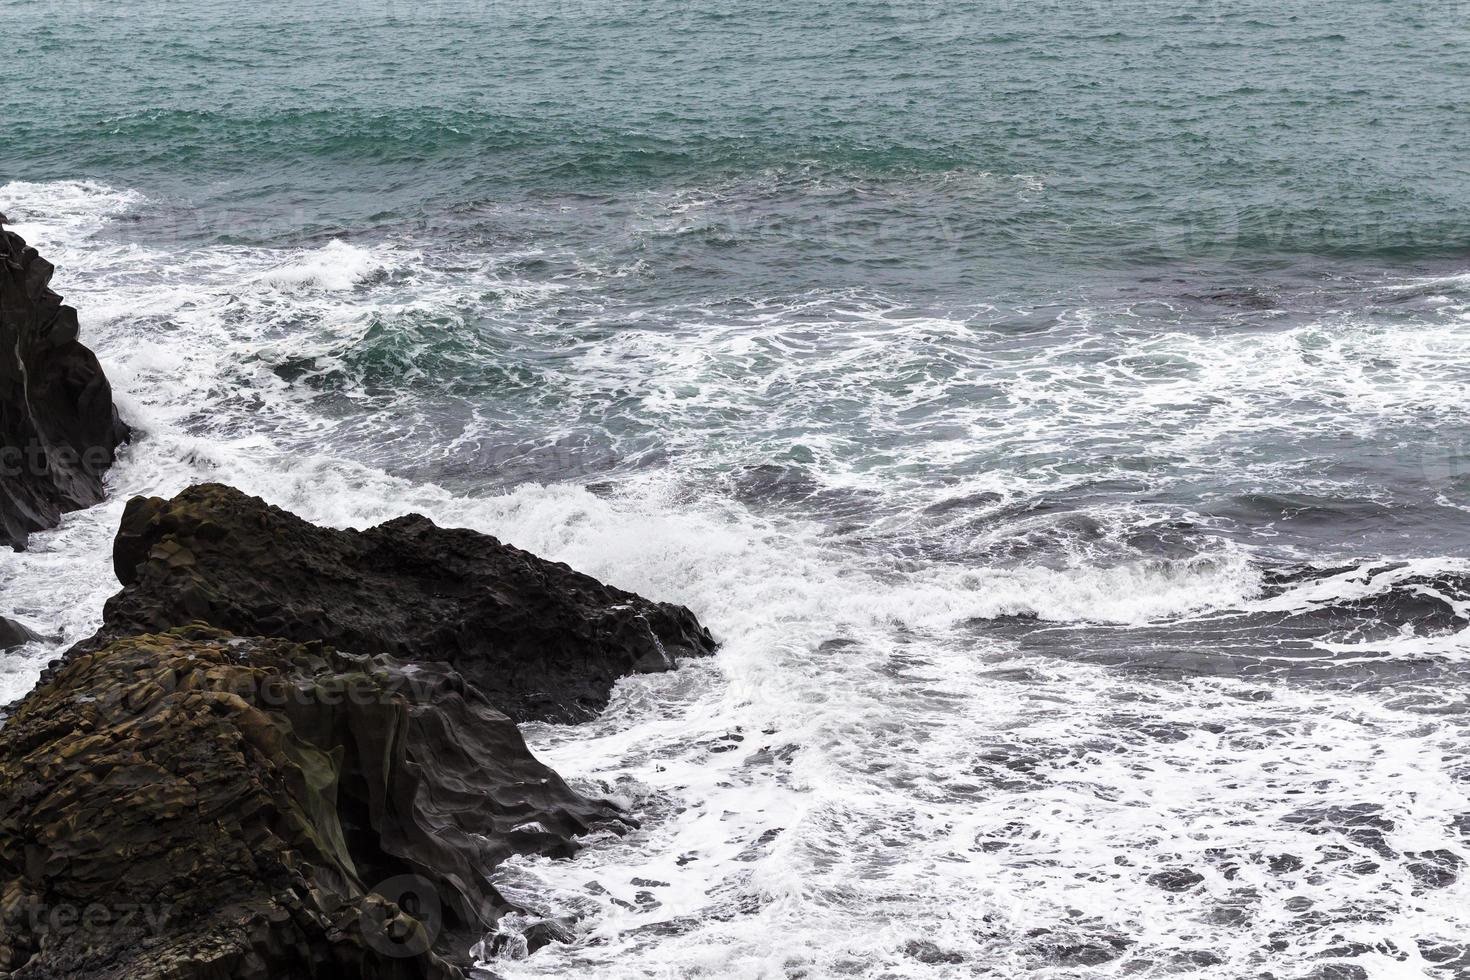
193	804
542	641
59	431
13	634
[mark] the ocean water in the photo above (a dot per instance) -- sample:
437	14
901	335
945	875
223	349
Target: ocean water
1058	411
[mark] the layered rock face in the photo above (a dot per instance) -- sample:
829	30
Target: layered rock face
193	804
59	431
539	639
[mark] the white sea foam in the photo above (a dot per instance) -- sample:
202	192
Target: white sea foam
955	394
65	210
1366	581
821	811
1439	288
337	266
860	783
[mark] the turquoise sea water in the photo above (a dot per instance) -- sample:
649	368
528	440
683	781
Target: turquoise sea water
1160	131
1057	409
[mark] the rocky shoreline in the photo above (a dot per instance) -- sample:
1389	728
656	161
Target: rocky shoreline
290	751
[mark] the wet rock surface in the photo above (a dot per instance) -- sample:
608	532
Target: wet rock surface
59	431
13	634
542	641
195	804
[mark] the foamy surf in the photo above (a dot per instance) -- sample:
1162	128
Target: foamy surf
958	726
336	266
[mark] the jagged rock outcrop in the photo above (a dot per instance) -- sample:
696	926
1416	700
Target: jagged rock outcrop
59	431
183	802
194	805
541	640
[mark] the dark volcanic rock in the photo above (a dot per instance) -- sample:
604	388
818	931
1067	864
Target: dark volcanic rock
13	634
178	802
59	431
541	640
197	805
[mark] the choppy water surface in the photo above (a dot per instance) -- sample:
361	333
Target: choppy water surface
1058	413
